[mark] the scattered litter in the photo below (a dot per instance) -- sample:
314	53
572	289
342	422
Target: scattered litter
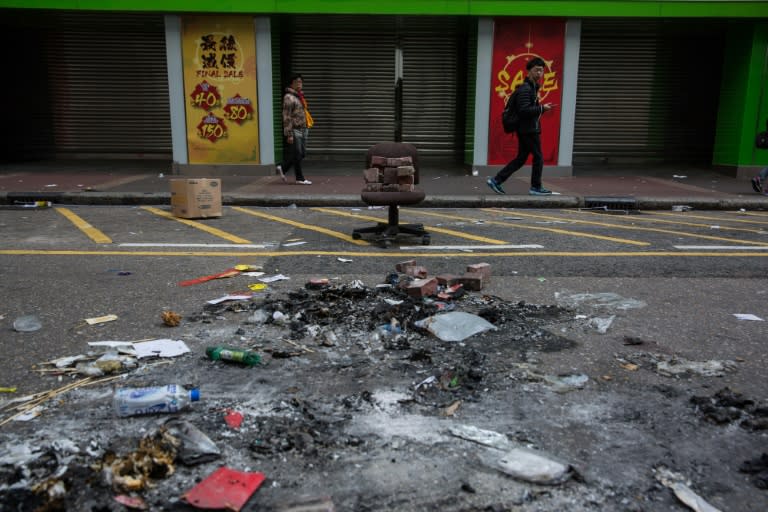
456	325
221	275
225	488
314	504
601	324
27	323
607	300
429	380
747	316
7	390
170	318
160	348
727	406
29	414
344	260
293	244
480	436
272	279
233	354
233	419
194	446
566	383
676	366
248	268
100	319
151	400
680	486
530	466
681	208
678	176
239	296
254	274
452	408
132	502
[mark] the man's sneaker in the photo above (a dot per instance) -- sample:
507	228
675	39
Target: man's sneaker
279	170
540	191
757	184
304	182
495	186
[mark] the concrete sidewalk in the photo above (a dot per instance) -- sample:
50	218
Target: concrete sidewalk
649	189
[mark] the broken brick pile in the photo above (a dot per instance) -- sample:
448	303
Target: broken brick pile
390	175
473	279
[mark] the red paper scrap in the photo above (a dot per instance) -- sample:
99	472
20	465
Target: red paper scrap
132	502
227	273
233	418
225	488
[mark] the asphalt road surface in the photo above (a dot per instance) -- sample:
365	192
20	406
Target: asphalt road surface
657	311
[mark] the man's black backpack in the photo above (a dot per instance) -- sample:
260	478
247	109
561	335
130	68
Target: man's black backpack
509	118
761	141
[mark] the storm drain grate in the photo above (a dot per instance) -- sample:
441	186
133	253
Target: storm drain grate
624	205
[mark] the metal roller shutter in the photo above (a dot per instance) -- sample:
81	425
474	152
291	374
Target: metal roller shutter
348	67
109	85
431	78
647	91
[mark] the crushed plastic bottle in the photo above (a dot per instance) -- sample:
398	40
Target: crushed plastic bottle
236	355
151	400
27	323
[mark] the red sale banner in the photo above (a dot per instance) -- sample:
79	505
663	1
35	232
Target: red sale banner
515	42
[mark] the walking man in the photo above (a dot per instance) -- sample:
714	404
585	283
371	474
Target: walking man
294	130
528	132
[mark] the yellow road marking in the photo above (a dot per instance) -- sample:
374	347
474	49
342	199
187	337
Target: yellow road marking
430	229
634	218
389	254
198	225
93	233
705	217
539	228
633	228
329	232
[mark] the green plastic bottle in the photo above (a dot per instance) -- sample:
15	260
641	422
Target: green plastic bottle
237	355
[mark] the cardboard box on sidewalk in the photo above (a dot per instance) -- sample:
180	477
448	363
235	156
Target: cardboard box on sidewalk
195	198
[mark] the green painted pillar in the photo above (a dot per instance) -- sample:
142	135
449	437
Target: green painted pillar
743	110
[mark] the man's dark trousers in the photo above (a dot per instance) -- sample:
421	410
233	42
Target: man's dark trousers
527	143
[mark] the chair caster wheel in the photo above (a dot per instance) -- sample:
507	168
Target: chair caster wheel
356	236
425	240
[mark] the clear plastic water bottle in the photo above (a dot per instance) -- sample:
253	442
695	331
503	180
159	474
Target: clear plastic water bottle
152	400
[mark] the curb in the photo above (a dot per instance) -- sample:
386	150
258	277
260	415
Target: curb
354	200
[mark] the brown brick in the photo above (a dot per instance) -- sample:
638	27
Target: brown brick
390	188
406	180
379	161
416	271
406	170
405	188
389	175
472	281
447	279
481	268
422	287
372	175
400	267
397	162
373	187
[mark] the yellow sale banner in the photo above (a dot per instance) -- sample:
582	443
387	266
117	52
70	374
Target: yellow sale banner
219	55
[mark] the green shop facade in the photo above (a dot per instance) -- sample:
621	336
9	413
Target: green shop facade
639	82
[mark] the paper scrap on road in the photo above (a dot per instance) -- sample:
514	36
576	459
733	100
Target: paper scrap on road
160	348
229	297
748	316
100	319
272	279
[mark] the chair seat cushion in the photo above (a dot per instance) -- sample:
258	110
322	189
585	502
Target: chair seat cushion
390	198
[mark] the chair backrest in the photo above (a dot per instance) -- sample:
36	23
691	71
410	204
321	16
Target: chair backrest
394	150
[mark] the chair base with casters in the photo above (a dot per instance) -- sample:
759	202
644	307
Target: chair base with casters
386	233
